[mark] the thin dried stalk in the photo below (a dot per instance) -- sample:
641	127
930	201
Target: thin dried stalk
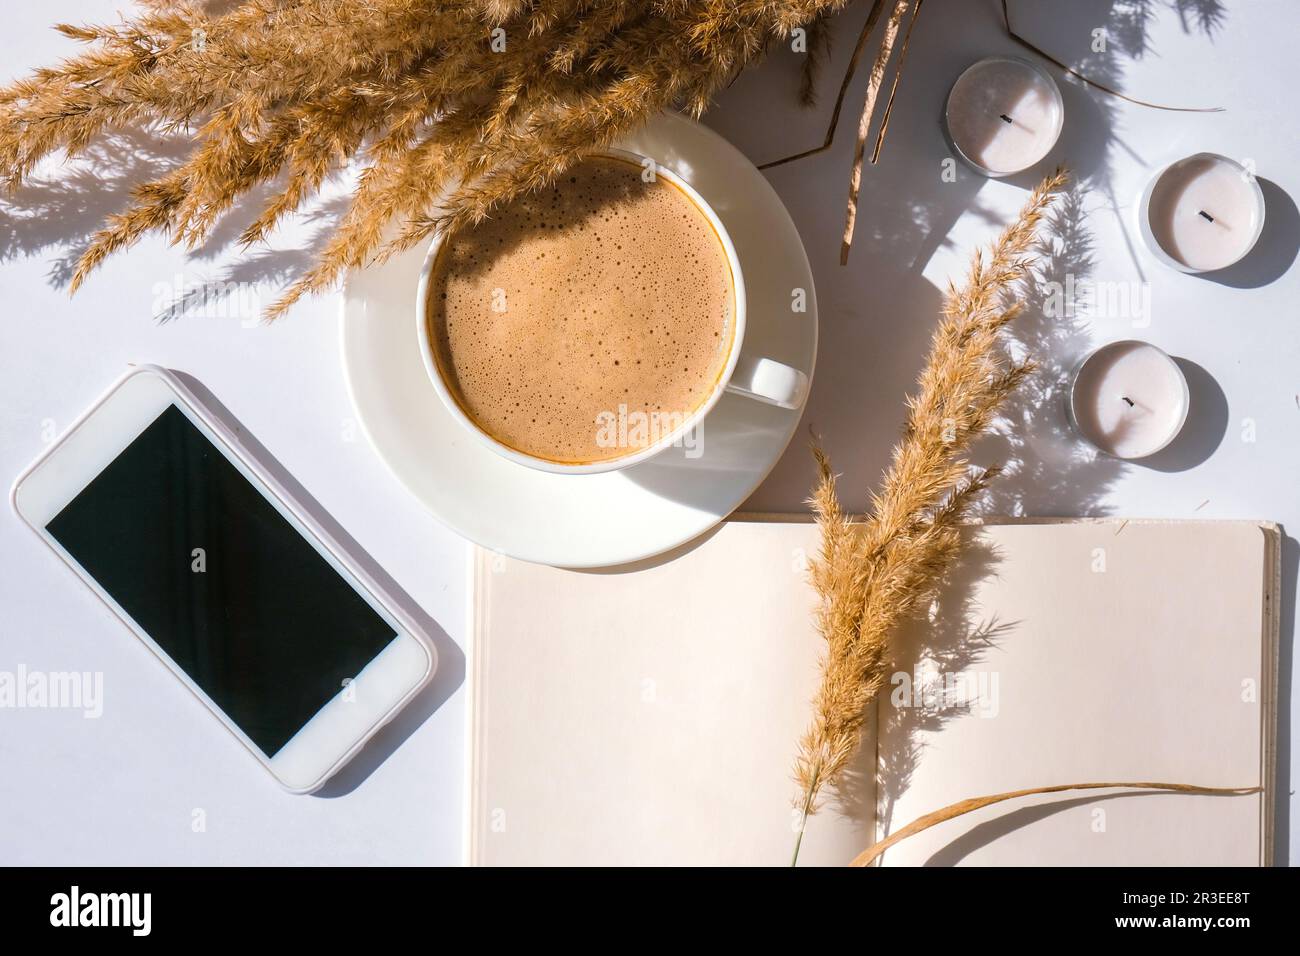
871	574
893	89
962	807
864	122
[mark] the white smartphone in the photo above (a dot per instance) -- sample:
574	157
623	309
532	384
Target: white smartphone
215	567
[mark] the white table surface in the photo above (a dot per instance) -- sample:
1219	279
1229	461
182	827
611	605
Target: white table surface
124	789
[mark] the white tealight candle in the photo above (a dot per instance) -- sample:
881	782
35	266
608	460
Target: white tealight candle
1129	399
1003	115
1201	213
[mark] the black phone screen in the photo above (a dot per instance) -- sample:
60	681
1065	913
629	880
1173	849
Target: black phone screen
221	580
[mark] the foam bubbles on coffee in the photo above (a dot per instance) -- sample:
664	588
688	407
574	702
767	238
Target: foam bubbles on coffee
604	291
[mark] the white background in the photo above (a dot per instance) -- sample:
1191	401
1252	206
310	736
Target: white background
125	788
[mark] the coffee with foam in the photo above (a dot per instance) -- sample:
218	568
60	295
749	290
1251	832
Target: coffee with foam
604	298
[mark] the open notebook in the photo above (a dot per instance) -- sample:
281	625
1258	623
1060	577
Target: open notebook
650	716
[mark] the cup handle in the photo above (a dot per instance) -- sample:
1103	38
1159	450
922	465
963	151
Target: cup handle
769	381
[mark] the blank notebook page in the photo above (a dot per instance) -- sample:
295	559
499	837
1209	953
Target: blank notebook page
651	716
1108	651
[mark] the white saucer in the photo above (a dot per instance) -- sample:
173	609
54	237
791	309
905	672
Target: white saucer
588	521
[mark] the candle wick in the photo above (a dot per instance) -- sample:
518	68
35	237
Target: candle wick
1207	216
1130	401
1005	118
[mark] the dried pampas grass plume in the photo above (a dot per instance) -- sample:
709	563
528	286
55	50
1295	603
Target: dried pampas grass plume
449	107
872	573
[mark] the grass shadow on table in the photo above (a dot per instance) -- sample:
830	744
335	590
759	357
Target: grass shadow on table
58	216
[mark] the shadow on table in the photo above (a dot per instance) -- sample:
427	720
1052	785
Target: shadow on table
58	216
450	673
1276	249
1207	423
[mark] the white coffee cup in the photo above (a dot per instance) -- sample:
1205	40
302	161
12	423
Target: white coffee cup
759	378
